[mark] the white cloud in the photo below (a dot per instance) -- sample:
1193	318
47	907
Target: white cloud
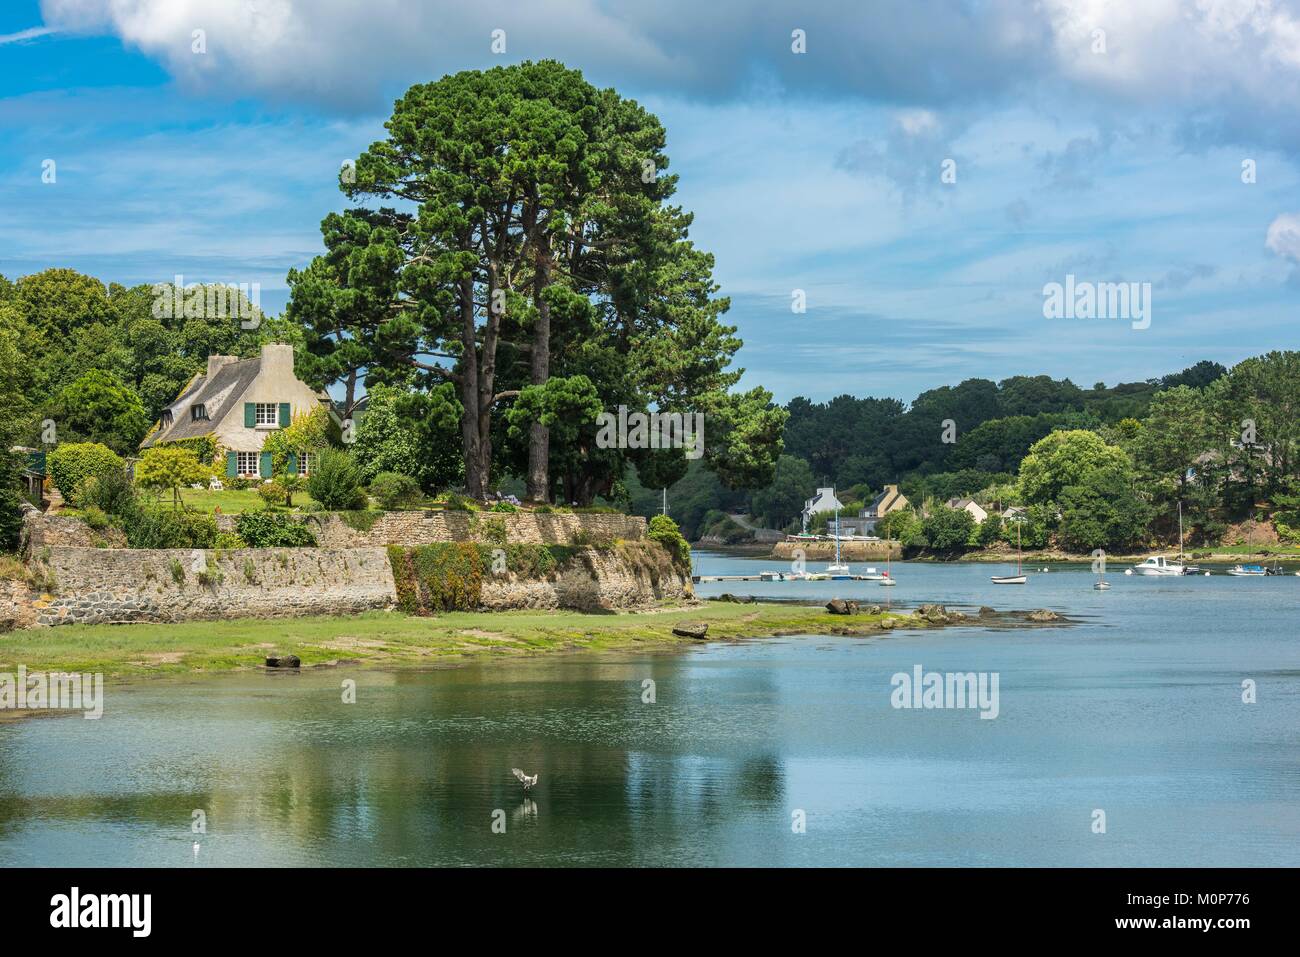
1284	236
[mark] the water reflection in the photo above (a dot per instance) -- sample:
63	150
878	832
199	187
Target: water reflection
1135	710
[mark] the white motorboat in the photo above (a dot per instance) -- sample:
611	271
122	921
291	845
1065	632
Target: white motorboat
1242	571
1159	565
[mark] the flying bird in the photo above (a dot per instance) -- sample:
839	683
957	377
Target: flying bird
526	780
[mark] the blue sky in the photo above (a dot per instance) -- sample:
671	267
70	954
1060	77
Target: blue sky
817	171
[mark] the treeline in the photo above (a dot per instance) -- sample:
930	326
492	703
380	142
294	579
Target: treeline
1092	468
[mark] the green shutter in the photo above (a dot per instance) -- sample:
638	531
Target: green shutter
250	415
232	465
284	415
292	467
266	465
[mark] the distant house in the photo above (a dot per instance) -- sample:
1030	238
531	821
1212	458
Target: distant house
1014	513
969	505
823	501
890	500
240	402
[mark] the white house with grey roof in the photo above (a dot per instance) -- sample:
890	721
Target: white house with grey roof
240	402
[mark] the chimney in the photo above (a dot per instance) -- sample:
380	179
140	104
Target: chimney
277	359
216	362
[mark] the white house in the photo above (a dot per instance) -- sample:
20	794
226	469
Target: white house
969	505
823	501
240	402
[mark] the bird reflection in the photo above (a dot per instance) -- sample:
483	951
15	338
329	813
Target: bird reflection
527	811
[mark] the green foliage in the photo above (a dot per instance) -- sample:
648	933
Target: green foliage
170	468
359	520
458	503
395	490
780	502
177	571
446	576
1065	458
948	530
490	529
415	434
274	494
70	463
111	492
309	433
665	531
11	519
95	517
509	507
98	407
229	540
335	481
151	526
989	532
273	530
1102	511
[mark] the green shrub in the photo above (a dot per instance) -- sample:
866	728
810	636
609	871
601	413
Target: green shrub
458	503
11	519
150	526
395	490
273	493
113	493
95	517
665	531
177	571
335	481
229	540
73	462
491	529
504	507
273	530
250	571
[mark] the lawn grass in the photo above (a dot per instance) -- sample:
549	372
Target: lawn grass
233	501
392	638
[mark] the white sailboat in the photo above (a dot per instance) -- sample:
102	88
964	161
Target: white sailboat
889	562
1017	578
838	571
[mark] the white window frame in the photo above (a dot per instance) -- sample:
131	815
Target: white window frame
248	471
304	460
267	414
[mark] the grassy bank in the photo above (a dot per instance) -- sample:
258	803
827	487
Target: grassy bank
392	638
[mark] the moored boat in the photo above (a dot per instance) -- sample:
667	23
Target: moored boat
1159	565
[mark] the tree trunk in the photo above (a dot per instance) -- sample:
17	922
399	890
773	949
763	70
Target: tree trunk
539	437
475	477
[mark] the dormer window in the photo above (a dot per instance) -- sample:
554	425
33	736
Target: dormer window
167	417
198	412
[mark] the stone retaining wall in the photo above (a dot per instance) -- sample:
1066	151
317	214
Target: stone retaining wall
105	585
425	528
96	585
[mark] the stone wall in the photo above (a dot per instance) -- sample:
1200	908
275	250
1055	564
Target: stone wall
15	605
632	575
375	529
43	531
96	585
425	528
106	585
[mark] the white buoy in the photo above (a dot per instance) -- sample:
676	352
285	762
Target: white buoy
1128	571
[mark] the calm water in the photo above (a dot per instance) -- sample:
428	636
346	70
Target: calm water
1137	711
